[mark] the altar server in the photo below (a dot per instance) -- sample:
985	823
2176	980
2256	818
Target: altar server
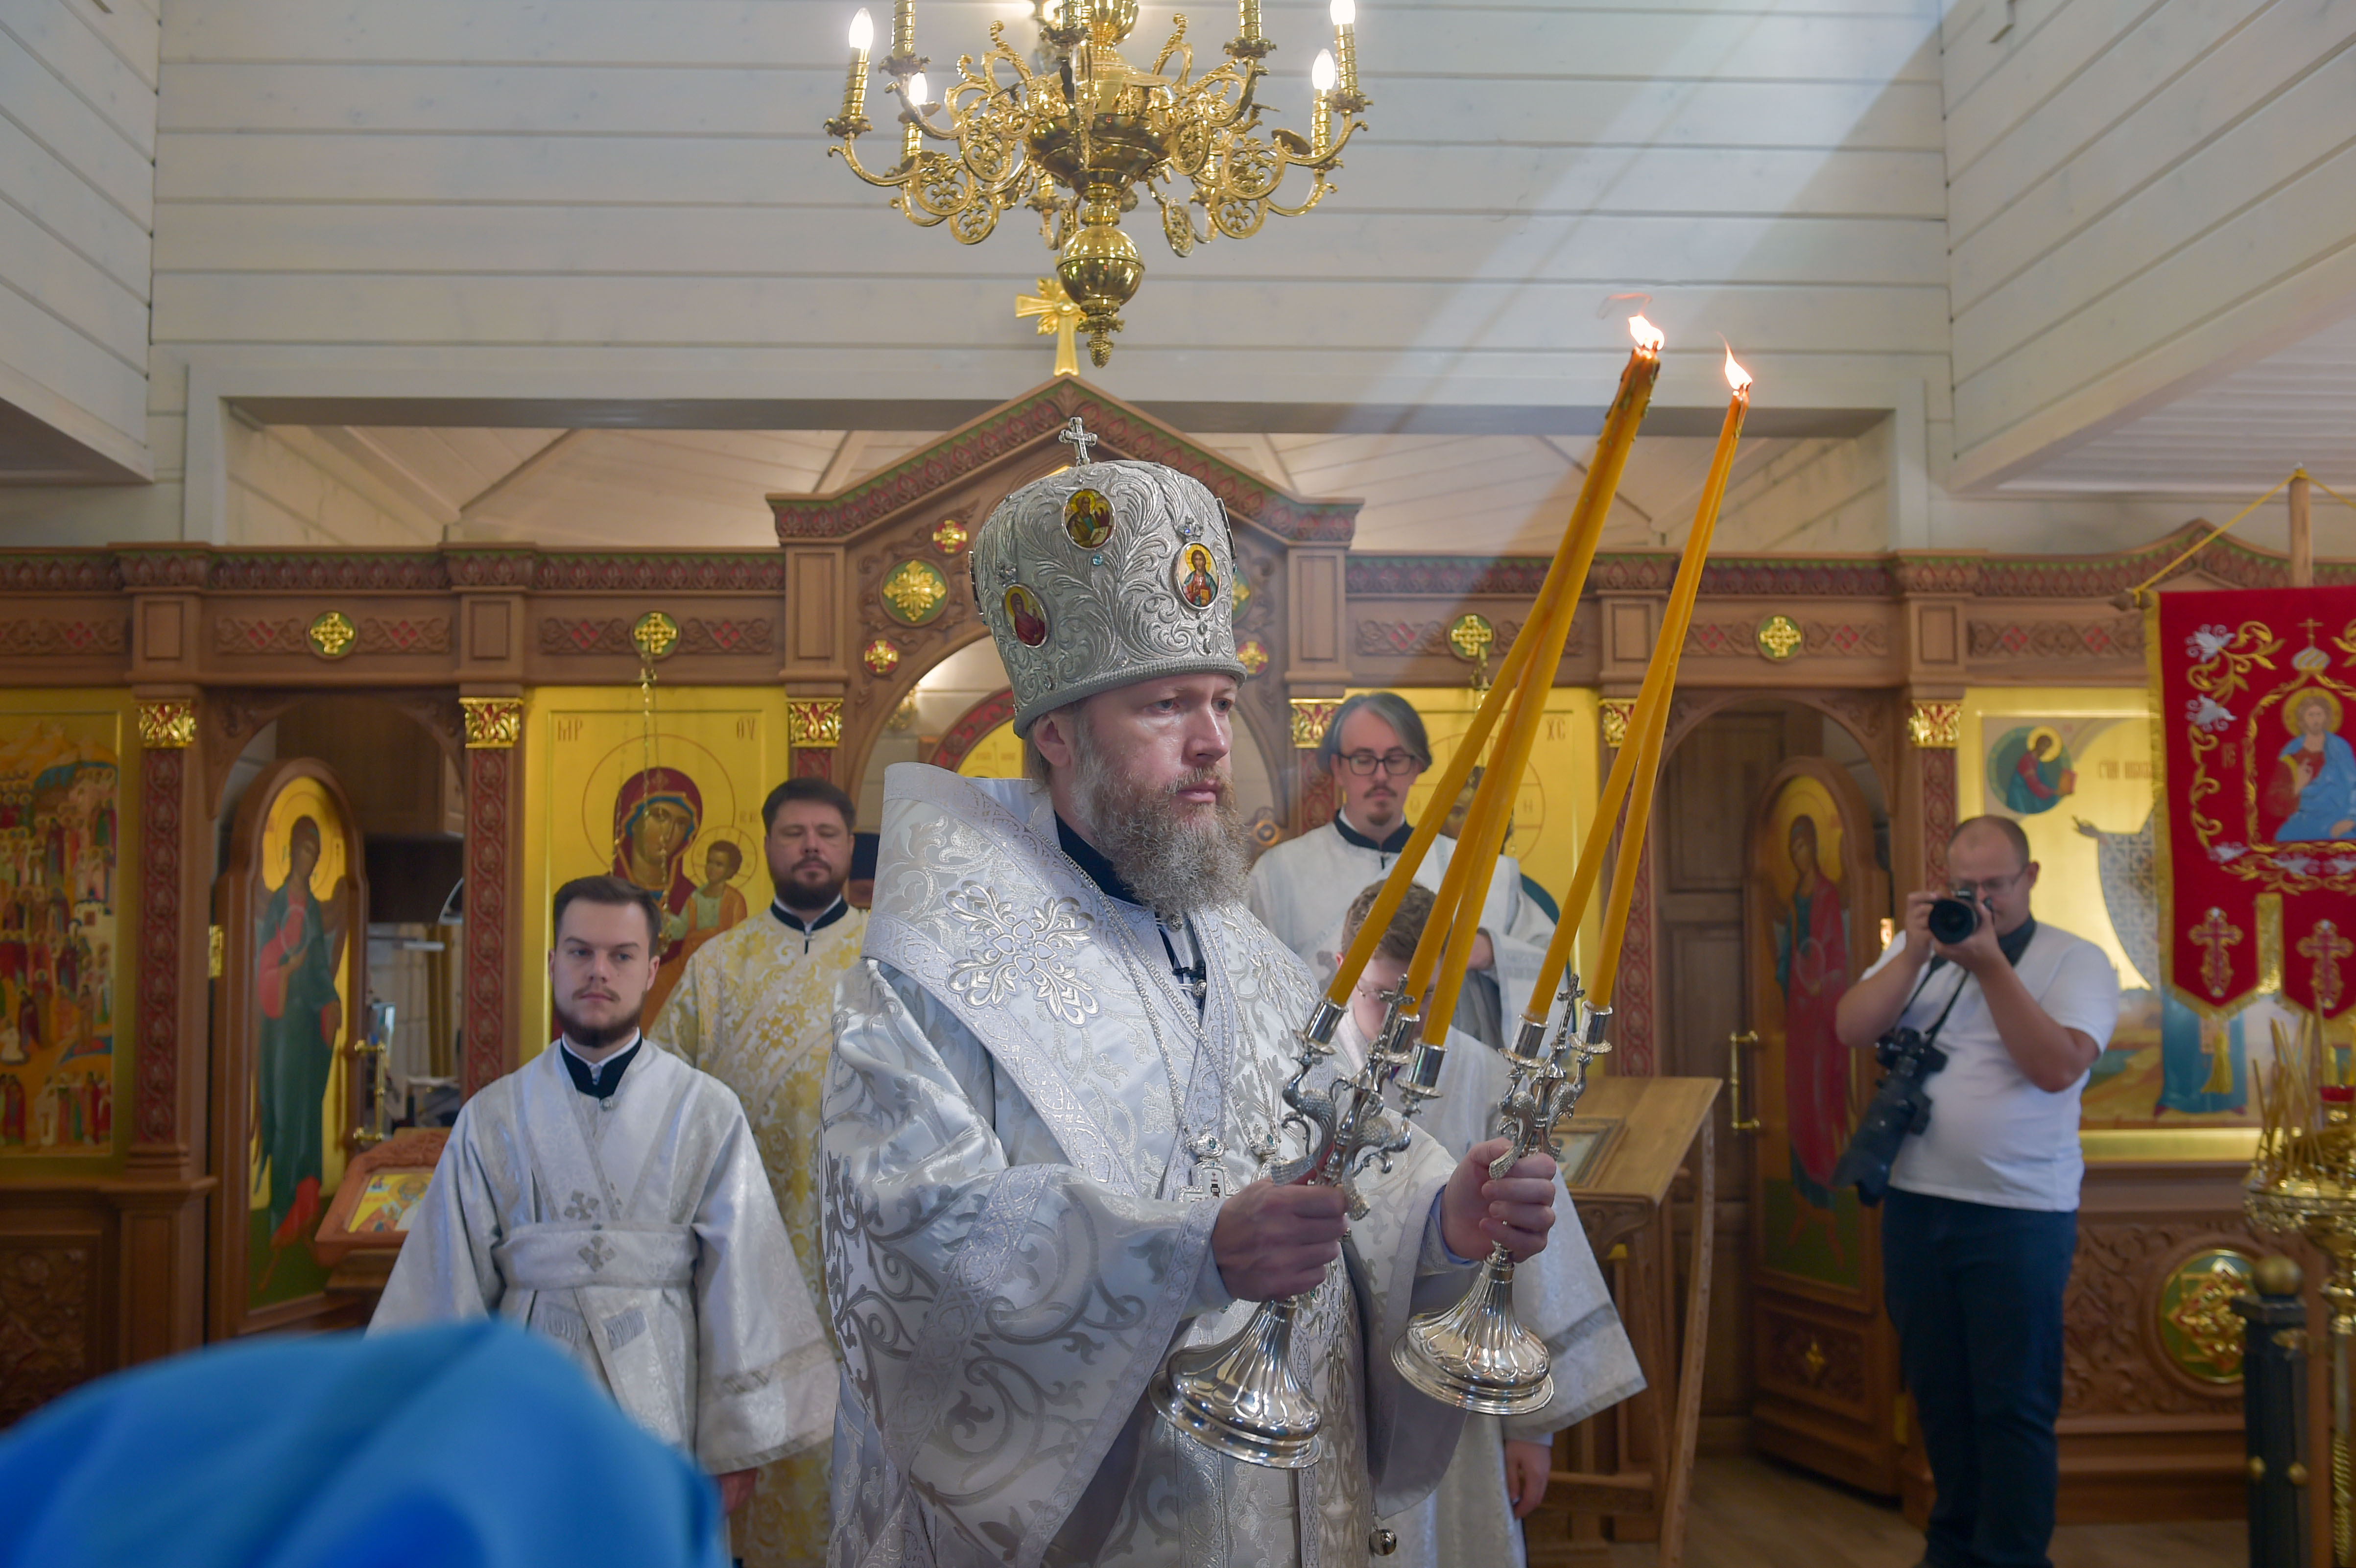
1499	1475
1374	750
611	1197
755	1010
1067	1034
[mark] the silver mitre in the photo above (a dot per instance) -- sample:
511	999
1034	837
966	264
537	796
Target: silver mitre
1102	575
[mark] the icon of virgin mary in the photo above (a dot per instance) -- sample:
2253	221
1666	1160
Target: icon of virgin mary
657	812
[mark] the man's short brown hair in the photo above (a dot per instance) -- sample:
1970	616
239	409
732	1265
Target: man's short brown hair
1406	926
612	891
824	791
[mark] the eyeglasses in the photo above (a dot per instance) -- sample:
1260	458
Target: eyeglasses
1989	886
1364	763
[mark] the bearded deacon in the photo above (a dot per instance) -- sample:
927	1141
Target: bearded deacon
607	1196
1067	1034
1374	750
755	1010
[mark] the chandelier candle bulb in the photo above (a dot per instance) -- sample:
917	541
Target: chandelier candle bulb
1535	654
1320	125
854	89
1247	21
903	29
1346	54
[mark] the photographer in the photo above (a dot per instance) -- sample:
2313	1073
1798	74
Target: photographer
1981	1217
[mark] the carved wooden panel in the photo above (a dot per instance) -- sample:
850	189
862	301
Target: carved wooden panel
2109	1363
163	789
490	824
48	1319
1819	1359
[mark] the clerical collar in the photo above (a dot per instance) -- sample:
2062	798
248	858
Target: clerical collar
1089	858
834	911
1392	844
598	1081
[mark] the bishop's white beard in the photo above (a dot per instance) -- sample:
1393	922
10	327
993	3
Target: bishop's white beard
1176	859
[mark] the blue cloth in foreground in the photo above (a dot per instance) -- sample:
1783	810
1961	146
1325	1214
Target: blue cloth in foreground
464	1446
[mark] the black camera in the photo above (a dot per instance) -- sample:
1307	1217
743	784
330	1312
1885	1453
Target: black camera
1955	918
1901	1105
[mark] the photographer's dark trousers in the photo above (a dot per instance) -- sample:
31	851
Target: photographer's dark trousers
1976	1292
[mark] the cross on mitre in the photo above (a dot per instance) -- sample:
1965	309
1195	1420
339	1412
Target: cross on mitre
1057	314
1075	435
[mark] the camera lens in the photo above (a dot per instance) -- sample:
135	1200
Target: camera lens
1954	920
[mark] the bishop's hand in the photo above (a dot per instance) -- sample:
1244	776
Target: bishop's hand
1272	1241
1475	1212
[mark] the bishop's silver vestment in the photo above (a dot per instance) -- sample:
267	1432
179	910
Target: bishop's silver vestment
1011	1255
637	1233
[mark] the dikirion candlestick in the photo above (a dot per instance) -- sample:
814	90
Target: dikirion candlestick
1639	757
1535	655
1455	913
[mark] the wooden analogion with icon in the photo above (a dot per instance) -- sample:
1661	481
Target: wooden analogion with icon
186	968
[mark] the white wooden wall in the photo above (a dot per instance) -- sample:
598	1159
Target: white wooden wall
2141	193
77	194
631	199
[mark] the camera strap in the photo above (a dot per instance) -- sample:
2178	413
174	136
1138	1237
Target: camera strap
2012	944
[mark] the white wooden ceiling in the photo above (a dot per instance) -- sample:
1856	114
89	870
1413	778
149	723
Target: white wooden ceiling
2238	435
700	489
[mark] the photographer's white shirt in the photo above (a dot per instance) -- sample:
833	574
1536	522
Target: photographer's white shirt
1995	1137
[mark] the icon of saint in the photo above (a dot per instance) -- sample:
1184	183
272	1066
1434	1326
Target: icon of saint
2314	785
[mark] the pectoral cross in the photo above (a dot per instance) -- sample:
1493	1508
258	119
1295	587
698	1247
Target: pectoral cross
2213	936
1057	314
2326	946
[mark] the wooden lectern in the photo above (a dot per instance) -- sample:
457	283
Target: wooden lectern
1634	1464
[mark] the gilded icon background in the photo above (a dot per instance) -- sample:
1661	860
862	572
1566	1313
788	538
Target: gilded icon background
63	973
676	812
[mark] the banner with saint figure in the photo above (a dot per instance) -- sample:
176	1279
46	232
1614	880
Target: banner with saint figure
2254	694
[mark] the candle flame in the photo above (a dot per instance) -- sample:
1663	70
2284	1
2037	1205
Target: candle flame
1648	336
1736	376
1320	72
863	31
1344	12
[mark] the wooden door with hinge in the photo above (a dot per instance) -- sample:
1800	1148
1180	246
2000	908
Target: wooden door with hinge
1826	1357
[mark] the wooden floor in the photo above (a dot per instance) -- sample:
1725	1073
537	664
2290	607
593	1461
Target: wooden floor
1750	1512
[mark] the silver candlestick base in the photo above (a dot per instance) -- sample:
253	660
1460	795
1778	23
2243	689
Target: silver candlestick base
1476	1354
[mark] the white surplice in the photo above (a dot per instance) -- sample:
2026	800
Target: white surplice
1008	1256
1559	1295
1302	891
637	1233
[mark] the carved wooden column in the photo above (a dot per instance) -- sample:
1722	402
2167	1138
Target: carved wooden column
814	730
1934	729
159	1204
1635	995
1316	668
494	964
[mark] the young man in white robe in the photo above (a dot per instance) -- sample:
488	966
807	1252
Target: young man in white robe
1066	1035
1499	1475
610	1198
1374	750
755	1010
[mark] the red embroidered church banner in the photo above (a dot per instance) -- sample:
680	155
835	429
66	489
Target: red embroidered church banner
2253	700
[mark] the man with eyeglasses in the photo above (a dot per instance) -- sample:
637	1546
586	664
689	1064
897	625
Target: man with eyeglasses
1374	750
1981	1220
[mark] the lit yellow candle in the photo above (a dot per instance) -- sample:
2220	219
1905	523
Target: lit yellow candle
1321	80
1646	770
1566	579
903	29
1464	888
1346	44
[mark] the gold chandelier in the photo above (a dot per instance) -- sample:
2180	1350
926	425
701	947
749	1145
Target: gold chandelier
1077	139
